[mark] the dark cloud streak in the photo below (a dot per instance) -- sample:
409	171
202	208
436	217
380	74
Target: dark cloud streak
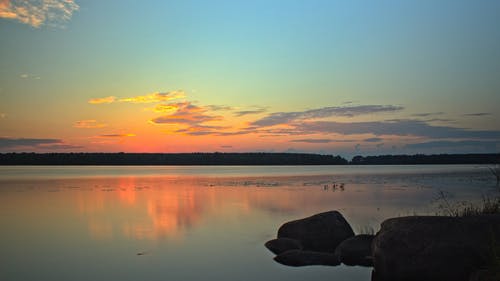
279	118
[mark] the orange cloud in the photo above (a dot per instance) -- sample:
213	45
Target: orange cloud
149	98
186	113
155	97
89	124
116	135
37	12
109	99
164	108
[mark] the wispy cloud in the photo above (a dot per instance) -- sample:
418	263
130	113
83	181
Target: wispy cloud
29	76
249	112
219	107
396	127
155	97
278	118
10	142
109	99
60	146
89	124
321	141
373	140
200	130
38	12
164	108
186	113
478	114
34	143
149	98
116	135
427	114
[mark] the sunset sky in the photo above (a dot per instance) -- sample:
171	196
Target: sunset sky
335	77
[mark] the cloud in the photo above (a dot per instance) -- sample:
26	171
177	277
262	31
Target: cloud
155	97
395	127
321	140
109	99
186	113
34	143
61	146
149	98
163	108
278	118
3	115
116	135
89	124
373	140
427	114
199	130
38	12
478	114
313	140
219	107
26	76
11	142
249	112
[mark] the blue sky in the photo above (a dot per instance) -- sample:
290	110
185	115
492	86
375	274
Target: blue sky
417	76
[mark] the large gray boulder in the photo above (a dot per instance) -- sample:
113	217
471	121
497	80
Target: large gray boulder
280	245
321	232
303	258
356	250
435	248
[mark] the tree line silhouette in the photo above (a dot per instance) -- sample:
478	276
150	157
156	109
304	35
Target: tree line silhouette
427	159
169	159
218	158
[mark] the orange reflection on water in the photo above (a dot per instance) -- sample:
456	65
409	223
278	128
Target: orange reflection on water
139	211
100	230
167	207
126	191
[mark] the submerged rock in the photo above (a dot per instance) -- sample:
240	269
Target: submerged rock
304	258
435	248
280	245
356	250
321	232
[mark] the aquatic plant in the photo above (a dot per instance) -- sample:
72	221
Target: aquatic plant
489	205
496	172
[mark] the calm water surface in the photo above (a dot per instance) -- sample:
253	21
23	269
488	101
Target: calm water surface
200	223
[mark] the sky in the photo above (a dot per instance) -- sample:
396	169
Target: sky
331	77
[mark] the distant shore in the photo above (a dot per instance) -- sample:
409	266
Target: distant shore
217	158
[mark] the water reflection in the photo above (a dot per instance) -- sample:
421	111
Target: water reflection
167	208
128	227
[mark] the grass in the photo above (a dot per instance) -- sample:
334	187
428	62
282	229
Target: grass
496	172
461	209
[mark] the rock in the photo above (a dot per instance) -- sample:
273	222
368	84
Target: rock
356	250
303	258
280	245
321	232
434	248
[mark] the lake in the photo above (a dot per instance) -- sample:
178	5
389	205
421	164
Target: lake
201	222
